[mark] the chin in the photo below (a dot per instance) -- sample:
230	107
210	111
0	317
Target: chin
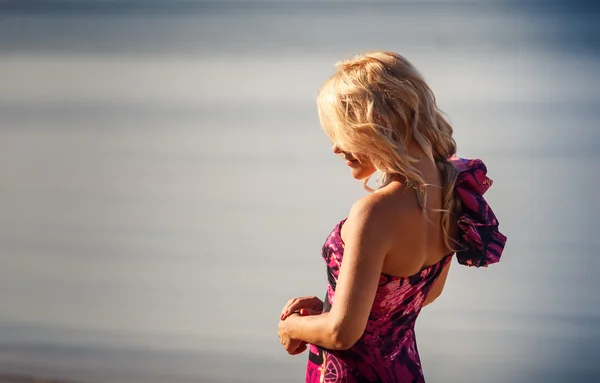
361	173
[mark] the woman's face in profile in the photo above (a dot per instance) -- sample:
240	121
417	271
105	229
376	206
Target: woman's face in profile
360	167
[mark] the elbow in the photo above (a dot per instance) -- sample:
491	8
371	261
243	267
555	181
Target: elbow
343	339
431	298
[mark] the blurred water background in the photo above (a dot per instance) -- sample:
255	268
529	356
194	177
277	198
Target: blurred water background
165	186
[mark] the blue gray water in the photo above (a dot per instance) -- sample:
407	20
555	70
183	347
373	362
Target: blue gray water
165	186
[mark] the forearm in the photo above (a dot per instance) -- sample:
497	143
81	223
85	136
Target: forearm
429	299
438	286
315	329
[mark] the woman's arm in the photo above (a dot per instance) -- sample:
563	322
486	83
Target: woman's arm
438	286
367	242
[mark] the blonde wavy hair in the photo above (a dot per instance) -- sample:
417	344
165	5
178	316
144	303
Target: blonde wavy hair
375	106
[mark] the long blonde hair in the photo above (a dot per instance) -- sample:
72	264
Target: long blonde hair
374	106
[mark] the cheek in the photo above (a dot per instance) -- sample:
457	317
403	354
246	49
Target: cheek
366	164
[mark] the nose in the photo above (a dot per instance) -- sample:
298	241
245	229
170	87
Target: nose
336	149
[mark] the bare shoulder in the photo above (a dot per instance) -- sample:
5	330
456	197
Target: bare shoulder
374	206
390	221
372	216
387	206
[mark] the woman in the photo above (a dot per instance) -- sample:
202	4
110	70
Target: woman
390	256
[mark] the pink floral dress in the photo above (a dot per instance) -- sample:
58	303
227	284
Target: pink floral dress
387	351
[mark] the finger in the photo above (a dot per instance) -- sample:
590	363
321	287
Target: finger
287	305
301	348
286	309
292	345
295	306
284	340
303	311
308	311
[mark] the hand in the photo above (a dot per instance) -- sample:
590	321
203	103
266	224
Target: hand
306	305
291	345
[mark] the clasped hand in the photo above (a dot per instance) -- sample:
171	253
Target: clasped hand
302	306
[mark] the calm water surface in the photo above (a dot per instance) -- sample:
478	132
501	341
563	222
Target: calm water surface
165	186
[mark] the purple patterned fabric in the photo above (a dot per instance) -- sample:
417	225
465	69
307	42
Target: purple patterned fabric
481	242
387	350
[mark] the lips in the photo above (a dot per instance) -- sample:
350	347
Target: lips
350	160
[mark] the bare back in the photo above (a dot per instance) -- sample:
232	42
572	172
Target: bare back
416	235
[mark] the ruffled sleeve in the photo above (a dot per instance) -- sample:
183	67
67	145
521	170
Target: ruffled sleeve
480	242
